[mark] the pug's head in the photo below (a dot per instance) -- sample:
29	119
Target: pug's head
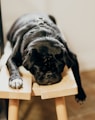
45	58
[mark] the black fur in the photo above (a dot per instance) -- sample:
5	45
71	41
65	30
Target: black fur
38	45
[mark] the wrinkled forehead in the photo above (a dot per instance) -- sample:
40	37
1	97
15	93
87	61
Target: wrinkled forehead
49	50
50	47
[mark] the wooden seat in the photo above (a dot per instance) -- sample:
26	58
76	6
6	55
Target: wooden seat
58	91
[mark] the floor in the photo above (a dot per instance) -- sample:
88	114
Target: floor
36	109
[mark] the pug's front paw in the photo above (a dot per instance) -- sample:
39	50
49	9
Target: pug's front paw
16	83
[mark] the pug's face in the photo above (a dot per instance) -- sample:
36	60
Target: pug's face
45	60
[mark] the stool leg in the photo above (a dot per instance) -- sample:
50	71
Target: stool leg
13	109
61	108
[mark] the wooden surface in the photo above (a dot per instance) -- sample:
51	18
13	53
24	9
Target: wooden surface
64	88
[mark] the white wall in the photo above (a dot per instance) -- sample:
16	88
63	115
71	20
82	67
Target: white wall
75	18
12	9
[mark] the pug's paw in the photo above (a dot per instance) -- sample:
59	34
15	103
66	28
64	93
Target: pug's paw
81	96
16	83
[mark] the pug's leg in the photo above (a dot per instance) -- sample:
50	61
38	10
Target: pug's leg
15	80
81	96
75	68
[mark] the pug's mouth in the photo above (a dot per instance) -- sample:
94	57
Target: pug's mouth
48	79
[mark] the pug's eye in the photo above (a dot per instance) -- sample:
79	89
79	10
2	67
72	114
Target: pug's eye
59	56
56	56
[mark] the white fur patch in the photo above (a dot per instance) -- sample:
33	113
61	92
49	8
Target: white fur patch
16	83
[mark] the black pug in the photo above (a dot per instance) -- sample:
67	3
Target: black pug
38	45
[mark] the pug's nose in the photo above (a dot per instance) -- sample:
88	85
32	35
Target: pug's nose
48	75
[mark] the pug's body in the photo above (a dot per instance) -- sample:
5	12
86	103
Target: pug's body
38	45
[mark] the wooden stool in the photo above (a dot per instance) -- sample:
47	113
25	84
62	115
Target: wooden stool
58	91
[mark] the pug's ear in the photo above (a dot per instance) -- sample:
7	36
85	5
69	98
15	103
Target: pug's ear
67	59
52	18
